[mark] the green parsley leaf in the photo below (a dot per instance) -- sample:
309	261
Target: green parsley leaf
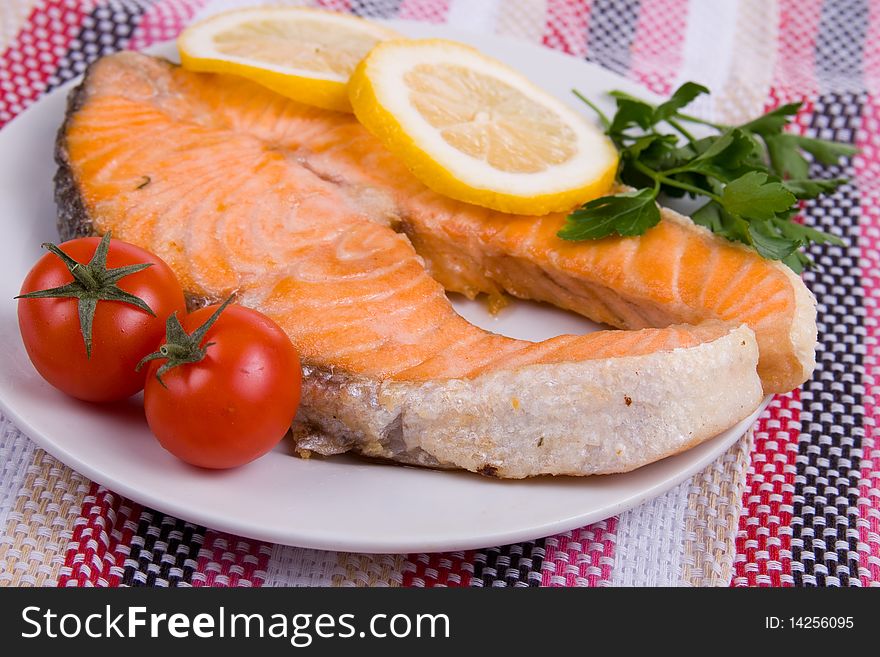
625	214
714	217
752	176
651	141
631	113
826	152
769	243
773	121
681	98
710	216
805	233
754	197
798	261
809	188
785	157
726	156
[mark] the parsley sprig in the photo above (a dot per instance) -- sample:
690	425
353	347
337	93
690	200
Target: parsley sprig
752	176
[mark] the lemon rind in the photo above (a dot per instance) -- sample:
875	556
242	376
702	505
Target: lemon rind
327	91
382	122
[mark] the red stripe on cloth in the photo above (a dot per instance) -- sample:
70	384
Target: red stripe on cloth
226	560
29	62
583	557
763	543
335	5
566	27
451	569
867	172
796	55
101	538
657	48
433	11
163	21
519	564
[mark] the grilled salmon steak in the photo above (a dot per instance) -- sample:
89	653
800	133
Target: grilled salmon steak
675	273
244	192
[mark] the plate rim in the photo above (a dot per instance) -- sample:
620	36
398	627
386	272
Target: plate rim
209	521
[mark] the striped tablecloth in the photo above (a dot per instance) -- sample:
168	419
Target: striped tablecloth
795	503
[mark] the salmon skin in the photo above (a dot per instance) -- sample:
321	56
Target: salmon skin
243	192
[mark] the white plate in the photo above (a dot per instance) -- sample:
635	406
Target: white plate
337	503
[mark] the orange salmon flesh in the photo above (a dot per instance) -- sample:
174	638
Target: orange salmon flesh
307	218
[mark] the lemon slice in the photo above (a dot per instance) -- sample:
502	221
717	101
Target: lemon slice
471	128
304	54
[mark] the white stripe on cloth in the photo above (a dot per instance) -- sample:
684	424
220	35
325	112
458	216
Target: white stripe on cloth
715	505
708	49
16	454
726	50
687	536
747	86
523	19
292	566
650	541
473	16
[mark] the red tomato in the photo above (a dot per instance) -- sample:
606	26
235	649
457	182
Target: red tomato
121	335
236	403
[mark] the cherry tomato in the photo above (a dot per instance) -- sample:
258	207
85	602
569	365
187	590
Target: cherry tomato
233	404
122	333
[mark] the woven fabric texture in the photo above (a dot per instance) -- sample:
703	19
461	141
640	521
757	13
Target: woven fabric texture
795	503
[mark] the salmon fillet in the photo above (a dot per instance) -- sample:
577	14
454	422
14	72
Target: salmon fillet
214	175
675	273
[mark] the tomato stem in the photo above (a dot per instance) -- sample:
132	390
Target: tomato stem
181	347
92	282
84	276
